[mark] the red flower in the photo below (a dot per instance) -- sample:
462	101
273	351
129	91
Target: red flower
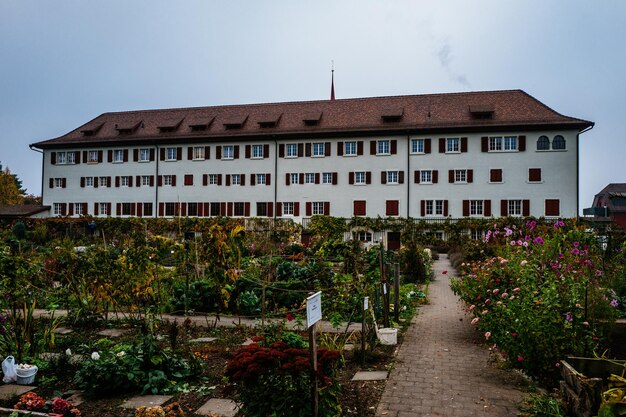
444	272
289	317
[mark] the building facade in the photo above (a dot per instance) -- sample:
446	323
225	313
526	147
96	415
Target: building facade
478	154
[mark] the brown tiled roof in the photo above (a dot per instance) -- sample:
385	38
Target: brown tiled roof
421	114
21	210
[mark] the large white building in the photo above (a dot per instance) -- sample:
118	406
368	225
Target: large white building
480	154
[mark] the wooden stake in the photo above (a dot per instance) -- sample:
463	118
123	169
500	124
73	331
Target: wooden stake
313	353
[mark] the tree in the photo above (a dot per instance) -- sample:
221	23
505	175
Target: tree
10	188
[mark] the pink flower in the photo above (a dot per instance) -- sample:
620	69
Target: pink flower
504	295
514	334
289	317
516	289
475	320
496	291
487	301
520	358
487	335
472	307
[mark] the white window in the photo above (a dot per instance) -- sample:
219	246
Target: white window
228	152
213	179
452	145
103	208
235	179
293	178
89	181
124	181
363	236
61	158
318	149
360	178
515	207
58	209
78	209
476	207
292	150
145	180
71	158
392	177
257	151
417	145
92	156
167	180
318	207
118	155
171	154
476	234
288	208
426	177
460	175
261	179
502	143
309	178
103	181
383	147
434	207
198	153
327	178
58	183
144	155
349	149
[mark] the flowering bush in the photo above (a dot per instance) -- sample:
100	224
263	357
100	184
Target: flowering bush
275	380
64	408
541	297
59	407
30	401
172	410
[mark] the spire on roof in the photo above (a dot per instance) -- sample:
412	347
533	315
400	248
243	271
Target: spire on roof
332	81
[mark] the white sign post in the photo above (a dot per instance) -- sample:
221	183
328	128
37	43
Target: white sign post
313	315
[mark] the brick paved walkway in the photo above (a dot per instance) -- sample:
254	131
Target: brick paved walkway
442	369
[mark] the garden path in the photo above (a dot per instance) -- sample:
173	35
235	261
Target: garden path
442	368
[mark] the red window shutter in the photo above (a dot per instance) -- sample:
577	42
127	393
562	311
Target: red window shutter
466	208
435	176
236	151
108	209
266	151
279	209
82	182
132	209
110	155
423	208
521	143
100	157
451	176
300	150
487	208
301	177
223	211
253	179
359	147
182	209
117	181
470	175
309	208
96	206
248	151
427	145
53	158
359	207
118	209
179	153
218	152
416	177
463	144
152	155
335	178
307	151
350	177
219	179
173	180
339	148
281	150
70	211
391	207
495	175
372	147
95	182
525	208
51	183
270	209
394	147
161	209
207	152
296	209
109	182
85	156
534	175
228	180
125	155
442	145
484	144
85	209
135	155
552	207
137	181
317	177
383	177
152	181
268	179
242	178
77	158
130	180
162	154
229	209
368	177
64	183
188	179
287	179
326	208
504	208
401	177
327	149
64	209
189	153
139	209
445	208
207	209
160	181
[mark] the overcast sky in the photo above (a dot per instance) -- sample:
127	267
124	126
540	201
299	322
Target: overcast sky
63	62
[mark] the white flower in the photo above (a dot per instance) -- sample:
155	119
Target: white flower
120	354
68	352
95	356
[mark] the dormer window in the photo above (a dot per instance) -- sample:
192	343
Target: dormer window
482	111
235	122
392	114
127	128
201	124
312	119
91	130
169	125
270	121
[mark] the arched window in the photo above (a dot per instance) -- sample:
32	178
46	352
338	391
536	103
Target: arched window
558	142
543	143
